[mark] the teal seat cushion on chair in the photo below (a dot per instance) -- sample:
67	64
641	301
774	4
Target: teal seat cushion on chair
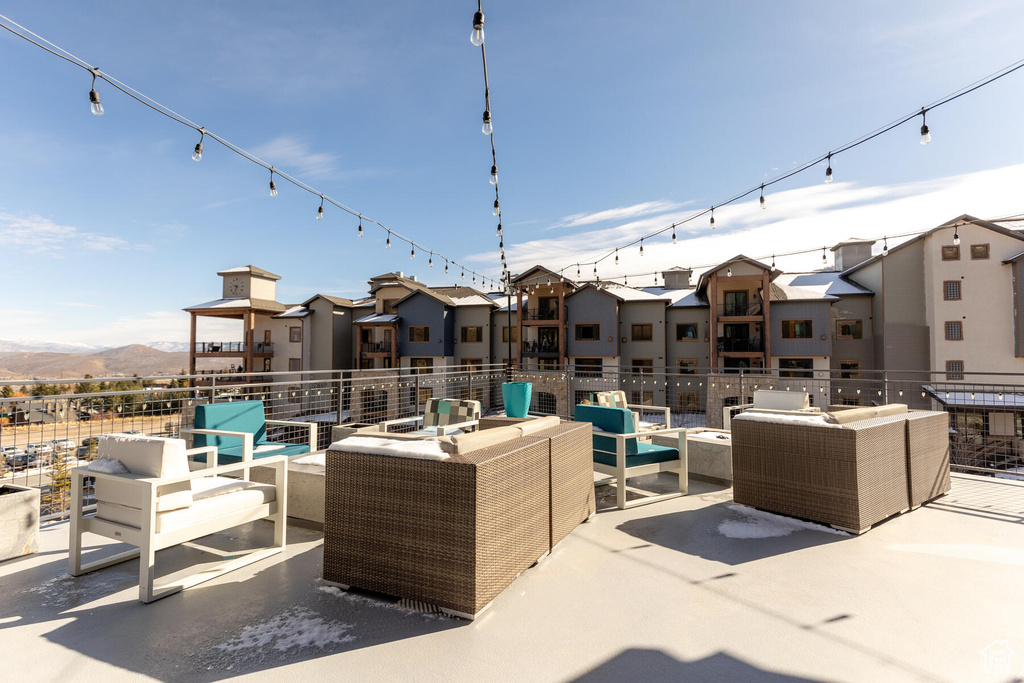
620	421
233	454
237	416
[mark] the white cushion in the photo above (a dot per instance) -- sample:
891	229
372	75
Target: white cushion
148	456
200	511
781	400
427	449
107	466
268	447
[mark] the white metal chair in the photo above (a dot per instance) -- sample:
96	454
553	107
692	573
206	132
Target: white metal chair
159	503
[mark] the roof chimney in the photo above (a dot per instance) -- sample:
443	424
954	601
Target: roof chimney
677	278
852	252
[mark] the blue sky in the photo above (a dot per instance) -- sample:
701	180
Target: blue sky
611	119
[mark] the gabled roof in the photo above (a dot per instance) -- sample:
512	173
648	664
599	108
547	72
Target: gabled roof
336	300
262	305
959	220
426	291
688	299
781	292
702	283
252	270
853	241
394	280
542	269
299	311
465	296
378	318
623	293
822	281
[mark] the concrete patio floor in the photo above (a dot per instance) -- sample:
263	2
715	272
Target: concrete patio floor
688	589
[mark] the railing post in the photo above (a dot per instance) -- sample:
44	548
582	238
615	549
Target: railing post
741	387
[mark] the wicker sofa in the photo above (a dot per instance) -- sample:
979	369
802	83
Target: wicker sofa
846	468
453	533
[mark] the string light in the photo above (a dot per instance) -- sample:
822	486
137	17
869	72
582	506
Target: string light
497	208
728	272
320	211
641	246
773	261
412	254
956	235
616	256
360	226
446	266
487	127
477	36
499	230
712	218
926	135
828	171
197	155
273	187
387	245
494	175
94	97
673	233
430	260
885	246
762	197
824	259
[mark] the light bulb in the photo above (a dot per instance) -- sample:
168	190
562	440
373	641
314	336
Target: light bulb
494	175
577	270
762	198
728	273
430	261
463	273
773	261
885	246
412	254
477	36
641	246
197	155
273	189
446	267
673	235
94	97
497	208
616	257
824	260
320	213
360	226
487	127
956	237
926	135
387	244
712	218
499	230
828	171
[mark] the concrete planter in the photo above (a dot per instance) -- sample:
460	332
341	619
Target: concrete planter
19	521
709	454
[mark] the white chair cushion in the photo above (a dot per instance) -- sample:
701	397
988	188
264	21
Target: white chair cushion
781	400
147	456
198	512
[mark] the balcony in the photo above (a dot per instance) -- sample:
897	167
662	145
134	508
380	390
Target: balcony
731	345
540	314
375	348
232	348
737	311
540	350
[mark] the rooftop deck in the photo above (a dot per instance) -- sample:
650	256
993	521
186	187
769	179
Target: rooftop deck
693	588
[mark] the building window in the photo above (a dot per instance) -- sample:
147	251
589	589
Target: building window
951	253
954	330
849	329
797	329
294	364
687	401
951	290
979	251
954	369
422	366
366	364
473	364
642	332
686	331
588	332
687	366
419	333
505	336
547	364
796	367
641	398
266	365
850	369
589	367
643	366
471	335
295	334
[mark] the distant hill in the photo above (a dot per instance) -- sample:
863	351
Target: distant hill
124	360
34	345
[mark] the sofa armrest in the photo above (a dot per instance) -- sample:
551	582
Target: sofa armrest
443	429
401	420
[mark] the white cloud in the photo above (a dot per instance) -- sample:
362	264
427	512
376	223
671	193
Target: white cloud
642	209
126	328
803	218
78	304
293	155
37	235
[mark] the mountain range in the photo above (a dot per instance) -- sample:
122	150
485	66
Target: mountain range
36	346
136	359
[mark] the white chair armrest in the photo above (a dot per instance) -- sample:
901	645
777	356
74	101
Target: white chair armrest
442	430
245	436
402	420
312	426
81	472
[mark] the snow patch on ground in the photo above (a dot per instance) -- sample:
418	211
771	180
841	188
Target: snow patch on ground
761	524
356	599
295	627
65	589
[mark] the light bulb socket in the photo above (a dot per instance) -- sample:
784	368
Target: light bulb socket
197	155
478	20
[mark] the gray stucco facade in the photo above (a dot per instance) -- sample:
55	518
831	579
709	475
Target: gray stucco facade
590	307
424	310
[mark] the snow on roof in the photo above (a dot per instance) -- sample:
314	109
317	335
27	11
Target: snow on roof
471	300
379	318
252	270
824	282
782	292
297	311
503	302
627	293
686	298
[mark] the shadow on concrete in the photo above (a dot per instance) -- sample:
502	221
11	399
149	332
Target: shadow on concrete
654	665
273	613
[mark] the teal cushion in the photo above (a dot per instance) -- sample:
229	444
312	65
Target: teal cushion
236	416
614	420
646	455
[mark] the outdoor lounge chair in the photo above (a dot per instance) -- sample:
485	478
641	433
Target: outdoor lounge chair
441	416
158	503
238	430
619	452
617	399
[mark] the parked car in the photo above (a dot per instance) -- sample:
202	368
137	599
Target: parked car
38	448
11	453
63	444
91	441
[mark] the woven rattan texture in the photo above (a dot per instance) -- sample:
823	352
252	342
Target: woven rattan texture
927	455
850	477
452	533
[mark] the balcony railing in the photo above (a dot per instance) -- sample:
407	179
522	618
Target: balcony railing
233	347
728	344
733	310
375	347
541	314
540	349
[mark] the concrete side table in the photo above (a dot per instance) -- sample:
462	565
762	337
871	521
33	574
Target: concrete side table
709	451
19	521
